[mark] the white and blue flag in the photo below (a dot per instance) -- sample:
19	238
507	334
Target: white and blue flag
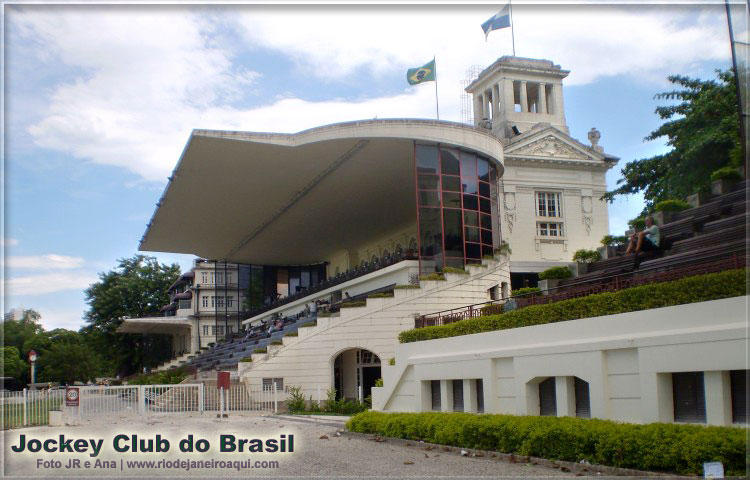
500	20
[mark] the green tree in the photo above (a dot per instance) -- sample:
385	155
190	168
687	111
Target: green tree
12	365
67	362
703	130
16	332
137	287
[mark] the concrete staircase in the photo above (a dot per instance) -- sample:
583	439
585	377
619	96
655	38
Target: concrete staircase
175	362
307	359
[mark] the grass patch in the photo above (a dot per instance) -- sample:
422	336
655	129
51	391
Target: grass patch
276	342
308	324
433	276
260	350
459	271
246	359
657	446
381	295
405	287
357	303
291	334
698	288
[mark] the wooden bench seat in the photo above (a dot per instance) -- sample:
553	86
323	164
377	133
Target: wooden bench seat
728	222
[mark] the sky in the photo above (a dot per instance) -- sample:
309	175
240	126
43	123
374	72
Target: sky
100	100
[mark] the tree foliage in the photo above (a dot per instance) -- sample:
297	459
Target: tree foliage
16	333
12	365
137	287
67	362
702	129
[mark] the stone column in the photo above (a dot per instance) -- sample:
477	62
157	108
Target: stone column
524	97
508	98
565	393
552	107
446	396
542	99
495	101
470	396
717	385
477	108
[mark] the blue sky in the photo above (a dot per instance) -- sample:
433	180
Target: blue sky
100	100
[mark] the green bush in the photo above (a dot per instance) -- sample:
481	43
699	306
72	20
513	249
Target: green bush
260	350
405	287
356	303
699	288
379	382
555	272
433	276
655	447
638	223
246	359
381	295
586	256
460	271
169	377
392	361
527	291
277	342
296	400
291	334
313	323
671	206
614	240
726	173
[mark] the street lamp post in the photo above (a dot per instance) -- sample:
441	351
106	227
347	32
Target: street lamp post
32	360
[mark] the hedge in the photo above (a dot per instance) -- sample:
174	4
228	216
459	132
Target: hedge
698	288
664	447
555	272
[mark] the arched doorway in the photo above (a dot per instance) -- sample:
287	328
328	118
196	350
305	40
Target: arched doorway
354	373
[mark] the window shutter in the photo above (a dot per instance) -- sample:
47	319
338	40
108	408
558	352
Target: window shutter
480	396
583	403
458	395
689	397
739	395
435	388
547	398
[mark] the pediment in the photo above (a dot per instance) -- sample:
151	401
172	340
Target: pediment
554	145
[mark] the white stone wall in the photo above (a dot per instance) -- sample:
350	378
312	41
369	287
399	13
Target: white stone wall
585	217
627	359
307	360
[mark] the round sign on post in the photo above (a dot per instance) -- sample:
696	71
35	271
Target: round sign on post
32	356
72	396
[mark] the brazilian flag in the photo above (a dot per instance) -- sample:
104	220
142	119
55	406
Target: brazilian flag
425	73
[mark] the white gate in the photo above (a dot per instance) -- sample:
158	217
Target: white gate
29	407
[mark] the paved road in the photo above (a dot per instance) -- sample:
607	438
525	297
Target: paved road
340	455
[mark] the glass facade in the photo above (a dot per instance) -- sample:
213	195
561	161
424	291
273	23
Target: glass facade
456	207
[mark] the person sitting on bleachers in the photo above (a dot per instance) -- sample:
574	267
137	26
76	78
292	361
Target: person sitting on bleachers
647	240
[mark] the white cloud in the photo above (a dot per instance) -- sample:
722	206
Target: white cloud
150	75
8	242
48	283
44	262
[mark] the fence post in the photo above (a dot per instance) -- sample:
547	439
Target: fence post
25	407
142	399
275	403
201	398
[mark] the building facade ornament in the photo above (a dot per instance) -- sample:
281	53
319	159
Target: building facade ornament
509	204
587	213
549	146
594	136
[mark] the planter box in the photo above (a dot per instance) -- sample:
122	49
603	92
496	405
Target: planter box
720	187
580	268
547	284
660	218
55	418
697	199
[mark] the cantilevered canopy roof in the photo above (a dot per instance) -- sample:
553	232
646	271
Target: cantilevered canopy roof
294	199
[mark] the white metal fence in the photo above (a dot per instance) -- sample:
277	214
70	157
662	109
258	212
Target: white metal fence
31	407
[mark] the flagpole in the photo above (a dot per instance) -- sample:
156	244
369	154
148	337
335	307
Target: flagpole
437	104
512	27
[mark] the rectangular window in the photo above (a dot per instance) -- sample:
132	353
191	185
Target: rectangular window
219	302
204	277
205	301
213	301
212	277
583	402
268	384
739	395
548	398
230	301
480	395
549	204
689	397
219	278
458	395
435	391
229	278
205	330
547	229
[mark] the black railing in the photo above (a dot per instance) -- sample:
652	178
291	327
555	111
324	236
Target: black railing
583	288
338	279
